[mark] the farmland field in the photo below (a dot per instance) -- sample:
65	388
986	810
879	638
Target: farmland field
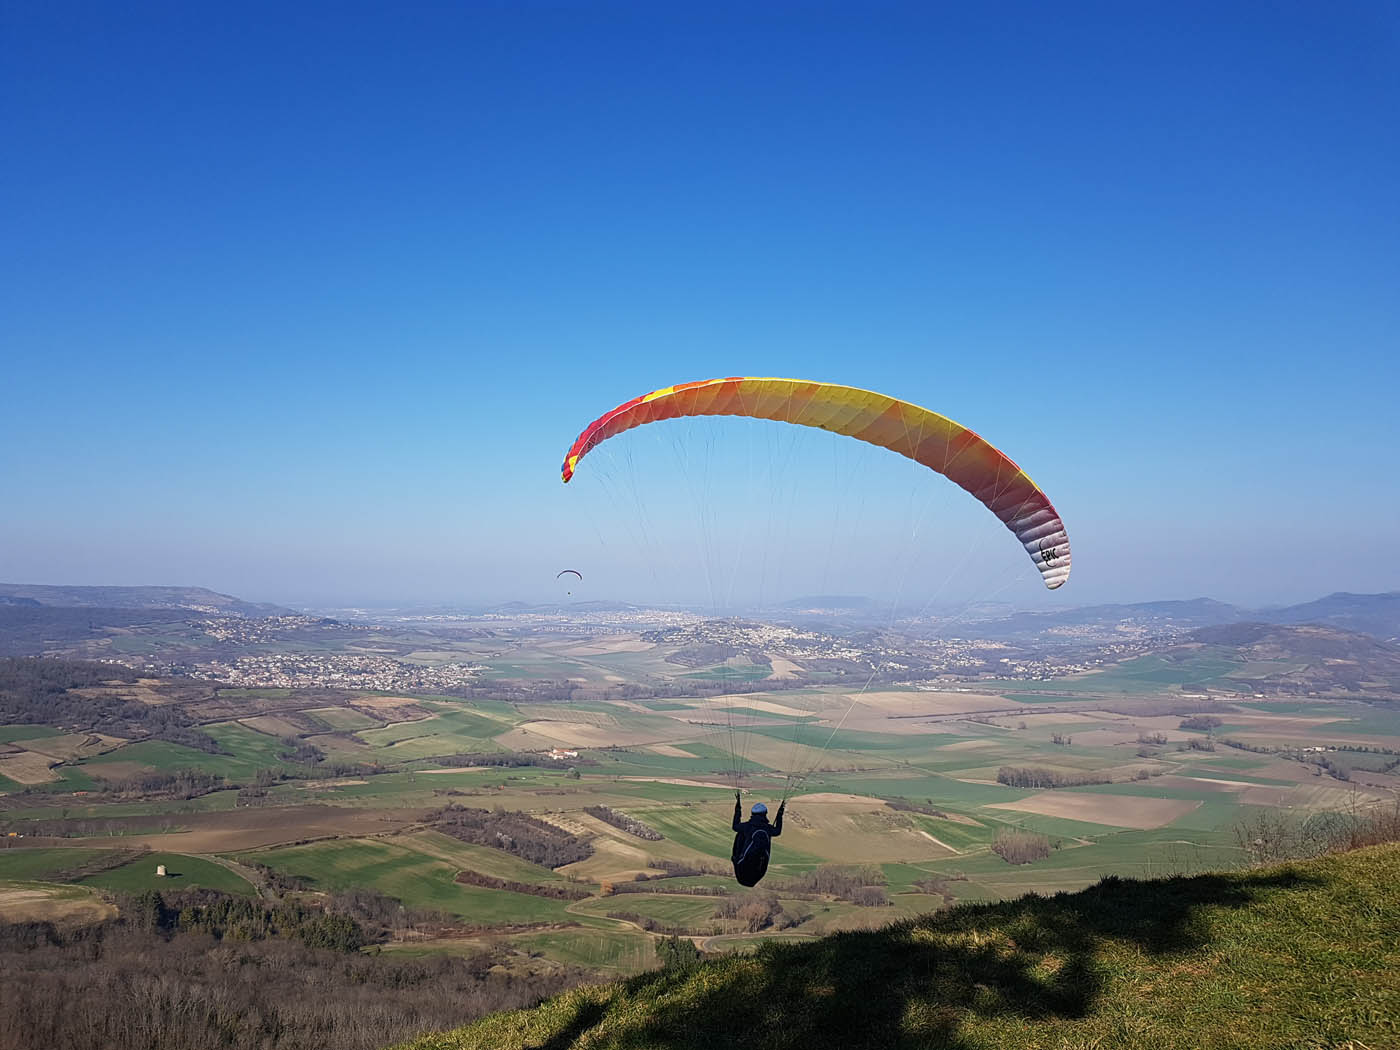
42	864
182	872
665	908
607	948
9	734
420	879
342	717
909	781
45	902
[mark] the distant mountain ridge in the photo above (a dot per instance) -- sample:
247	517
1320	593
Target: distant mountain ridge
1373	614
193	599
1377	614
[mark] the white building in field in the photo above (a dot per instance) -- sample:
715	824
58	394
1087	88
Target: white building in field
558	753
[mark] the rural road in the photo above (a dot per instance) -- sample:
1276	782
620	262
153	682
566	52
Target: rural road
251	875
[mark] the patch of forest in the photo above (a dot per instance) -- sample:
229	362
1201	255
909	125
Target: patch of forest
519	834
623	822
509	759
44	692
534	889
213	972
1038	777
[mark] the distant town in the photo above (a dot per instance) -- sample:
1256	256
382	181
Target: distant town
299	651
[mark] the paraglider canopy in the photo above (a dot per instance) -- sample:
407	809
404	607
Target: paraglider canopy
928	438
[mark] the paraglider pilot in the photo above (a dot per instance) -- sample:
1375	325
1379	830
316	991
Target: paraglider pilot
751	841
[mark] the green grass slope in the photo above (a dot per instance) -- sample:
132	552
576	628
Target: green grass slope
1301	955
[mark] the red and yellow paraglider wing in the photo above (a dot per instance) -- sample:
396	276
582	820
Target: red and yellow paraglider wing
923	436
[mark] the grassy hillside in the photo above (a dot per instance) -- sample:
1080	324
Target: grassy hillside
1301	955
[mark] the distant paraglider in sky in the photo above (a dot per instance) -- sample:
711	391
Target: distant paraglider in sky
926	437
569	572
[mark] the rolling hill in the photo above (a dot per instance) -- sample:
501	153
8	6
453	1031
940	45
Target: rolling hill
186	599
1153	617
1300	955
1376	614
1304	658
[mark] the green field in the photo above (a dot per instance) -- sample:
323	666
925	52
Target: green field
959	836
484	860
1139	676
185	872
41	864
445	733
251	751
342	718
182	873
744	673
70	778
674	909
92	807
1040	698
1151	673
9	734
415	877
635	762
606	948
848	739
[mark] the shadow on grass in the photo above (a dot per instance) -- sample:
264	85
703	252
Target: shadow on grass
587	1015
915	983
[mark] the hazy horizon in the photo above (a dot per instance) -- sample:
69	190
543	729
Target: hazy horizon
874	604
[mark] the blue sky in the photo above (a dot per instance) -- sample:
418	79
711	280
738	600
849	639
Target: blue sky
305	302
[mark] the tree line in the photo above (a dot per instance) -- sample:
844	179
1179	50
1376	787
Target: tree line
905	805
555	891
223	916
1039	777
509	759
863	884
